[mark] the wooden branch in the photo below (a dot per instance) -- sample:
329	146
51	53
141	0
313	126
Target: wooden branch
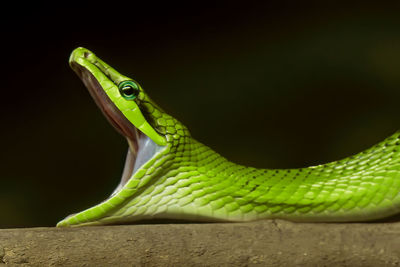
263	243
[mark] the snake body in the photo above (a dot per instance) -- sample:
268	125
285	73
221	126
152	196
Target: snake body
170	175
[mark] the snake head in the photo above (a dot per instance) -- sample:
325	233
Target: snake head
122	100
148	129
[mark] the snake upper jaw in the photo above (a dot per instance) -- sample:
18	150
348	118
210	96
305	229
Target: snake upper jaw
112	113
140	146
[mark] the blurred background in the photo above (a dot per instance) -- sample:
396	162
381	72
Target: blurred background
270	85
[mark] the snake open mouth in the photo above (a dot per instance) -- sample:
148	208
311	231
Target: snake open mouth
141	147
126	115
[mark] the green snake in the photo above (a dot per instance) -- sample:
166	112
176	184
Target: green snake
170	175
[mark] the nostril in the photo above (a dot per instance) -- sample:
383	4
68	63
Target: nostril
86	54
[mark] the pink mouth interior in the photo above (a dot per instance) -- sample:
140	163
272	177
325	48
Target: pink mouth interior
111	112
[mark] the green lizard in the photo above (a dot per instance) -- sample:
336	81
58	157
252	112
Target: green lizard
170	175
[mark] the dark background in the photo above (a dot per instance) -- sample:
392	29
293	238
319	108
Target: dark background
268	85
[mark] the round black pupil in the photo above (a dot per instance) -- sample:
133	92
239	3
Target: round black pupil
128	90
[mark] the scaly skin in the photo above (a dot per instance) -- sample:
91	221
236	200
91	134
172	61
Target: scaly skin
188	180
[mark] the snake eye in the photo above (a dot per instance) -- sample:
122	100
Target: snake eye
128	89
